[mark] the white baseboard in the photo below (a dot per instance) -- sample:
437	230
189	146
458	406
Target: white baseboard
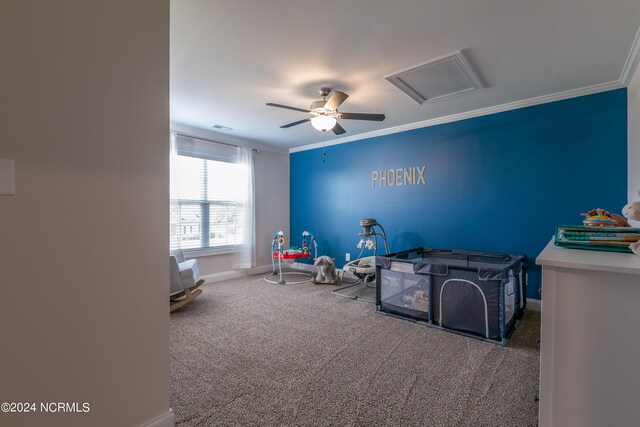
301	266
234	274
534	304
165	420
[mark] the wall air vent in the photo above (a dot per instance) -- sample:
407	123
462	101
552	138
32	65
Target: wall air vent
438	79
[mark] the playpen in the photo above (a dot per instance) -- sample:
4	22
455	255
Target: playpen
479	294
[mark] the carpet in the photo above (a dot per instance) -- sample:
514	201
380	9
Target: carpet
247	352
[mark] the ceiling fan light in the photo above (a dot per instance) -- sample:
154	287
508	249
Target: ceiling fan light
323	123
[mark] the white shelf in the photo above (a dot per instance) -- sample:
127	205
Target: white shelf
614	262
588	348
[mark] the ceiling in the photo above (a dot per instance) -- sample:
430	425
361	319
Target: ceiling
229	58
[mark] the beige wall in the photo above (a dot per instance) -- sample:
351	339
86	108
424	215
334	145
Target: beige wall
272	202
83	244
272	197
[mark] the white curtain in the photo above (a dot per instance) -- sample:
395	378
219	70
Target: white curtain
173	144
245	244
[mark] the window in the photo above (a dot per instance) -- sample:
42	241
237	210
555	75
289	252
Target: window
210	197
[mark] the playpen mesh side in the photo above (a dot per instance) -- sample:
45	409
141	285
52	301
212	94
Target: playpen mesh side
508	268
478	298
404	294
467	304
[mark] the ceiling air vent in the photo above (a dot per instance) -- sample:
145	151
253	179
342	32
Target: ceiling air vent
438	79
220	127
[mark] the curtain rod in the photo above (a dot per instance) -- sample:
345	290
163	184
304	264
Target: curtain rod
257	150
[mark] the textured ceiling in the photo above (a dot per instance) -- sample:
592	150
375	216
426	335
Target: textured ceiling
229	58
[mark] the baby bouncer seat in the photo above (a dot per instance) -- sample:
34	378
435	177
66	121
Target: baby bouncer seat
364	268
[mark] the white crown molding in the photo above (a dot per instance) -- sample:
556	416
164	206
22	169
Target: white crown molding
559	96
631	65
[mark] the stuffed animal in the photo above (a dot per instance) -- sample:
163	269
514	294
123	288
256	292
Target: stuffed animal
326	271
635	248
632	211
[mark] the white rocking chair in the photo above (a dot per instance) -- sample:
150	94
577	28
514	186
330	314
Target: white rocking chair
184	280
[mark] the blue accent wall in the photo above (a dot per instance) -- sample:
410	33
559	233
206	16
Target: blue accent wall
498	183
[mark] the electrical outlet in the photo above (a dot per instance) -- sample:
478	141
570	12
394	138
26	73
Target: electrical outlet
347	256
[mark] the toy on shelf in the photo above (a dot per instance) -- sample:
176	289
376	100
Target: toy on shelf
601	218
289	255
632	211
602	231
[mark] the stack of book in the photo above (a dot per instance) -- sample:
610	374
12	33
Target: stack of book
615	239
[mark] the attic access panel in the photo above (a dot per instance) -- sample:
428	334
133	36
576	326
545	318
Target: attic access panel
438	79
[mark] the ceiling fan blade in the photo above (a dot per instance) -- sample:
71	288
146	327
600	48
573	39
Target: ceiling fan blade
363	116
335	100
338	130
294	123
271	104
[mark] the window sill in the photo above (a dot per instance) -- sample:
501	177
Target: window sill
199	253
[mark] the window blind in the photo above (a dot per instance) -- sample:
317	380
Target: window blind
206	195
201	149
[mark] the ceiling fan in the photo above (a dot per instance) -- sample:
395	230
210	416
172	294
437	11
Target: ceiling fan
324	113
